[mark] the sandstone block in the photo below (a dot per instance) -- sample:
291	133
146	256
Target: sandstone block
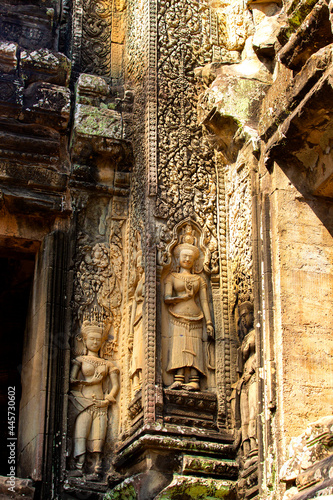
34	29
8	57
44	65
47	104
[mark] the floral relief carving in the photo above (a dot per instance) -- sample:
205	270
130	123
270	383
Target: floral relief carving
96	40
186	172
98	283
240	233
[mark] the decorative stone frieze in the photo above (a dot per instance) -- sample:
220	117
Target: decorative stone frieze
35	29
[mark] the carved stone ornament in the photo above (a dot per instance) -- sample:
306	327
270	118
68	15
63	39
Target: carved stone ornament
96	40
244	397
97	282
168	240
204	212
187	331
94	379
186	171
197	409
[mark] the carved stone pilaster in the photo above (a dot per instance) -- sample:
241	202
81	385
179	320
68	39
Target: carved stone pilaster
98	37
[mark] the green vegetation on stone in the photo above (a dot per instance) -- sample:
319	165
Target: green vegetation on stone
204	490
122	492
297	13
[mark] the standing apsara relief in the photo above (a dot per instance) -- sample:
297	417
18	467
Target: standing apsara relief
187	325
91	401
244	401
244	398
94	378
135	329
136	324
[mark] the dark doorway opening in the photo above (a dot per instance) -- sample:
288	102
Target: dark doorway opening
16	278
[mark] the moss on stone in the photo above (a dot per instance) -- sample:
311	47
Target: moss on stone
297	13
98	121
122	492
92	83
195	489
301	4
239	103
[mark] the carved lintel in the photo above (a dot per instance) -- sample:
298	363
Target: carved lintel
190	409
200	401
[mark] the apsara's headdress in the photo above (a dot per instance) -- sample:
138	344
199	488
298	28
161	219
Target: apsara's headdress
93	320
187	242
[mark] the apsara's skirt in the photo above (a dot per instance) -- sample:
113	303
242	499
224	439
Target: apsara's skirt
186	347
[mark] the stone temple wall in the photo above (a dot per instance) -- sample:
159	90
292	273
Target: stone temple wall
166	203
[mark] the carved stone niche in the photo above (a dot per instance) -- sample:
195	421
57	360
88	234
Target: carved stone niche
244	403
188	345
164	454
95	368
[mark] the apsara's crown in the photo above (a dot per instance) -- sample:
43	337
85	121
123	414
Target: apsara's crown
92	319
188	241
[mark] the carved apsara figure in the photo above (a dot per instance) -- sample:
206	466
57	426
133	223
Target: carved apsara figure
136	332
90	399
186	298
246	387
